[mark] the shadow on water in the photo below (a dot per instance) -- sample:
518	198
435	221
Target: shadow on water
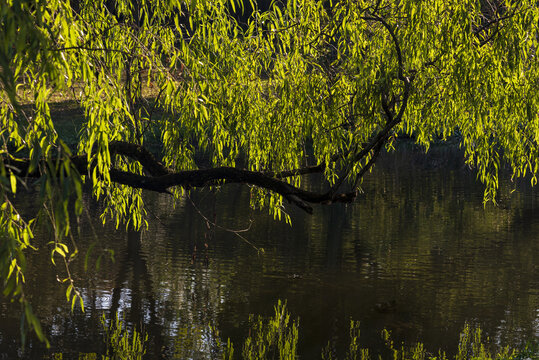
417	253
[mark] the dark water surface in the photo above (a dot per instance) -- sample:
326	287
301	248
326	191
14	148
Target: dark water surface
417	254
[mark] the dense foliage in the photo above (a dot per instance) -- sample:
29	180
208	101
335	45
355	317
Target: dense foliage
306	87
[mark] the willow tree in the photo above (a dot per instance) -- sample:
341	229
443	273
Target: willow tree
306	87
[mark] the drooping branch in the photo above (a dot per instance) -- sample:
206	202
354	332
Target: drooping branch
160	178
204	177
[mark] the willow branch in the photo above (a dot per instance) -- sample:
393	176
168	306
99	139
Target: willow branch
161	179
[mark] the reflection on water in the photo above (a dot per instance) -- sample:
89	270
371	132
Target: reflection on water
417	254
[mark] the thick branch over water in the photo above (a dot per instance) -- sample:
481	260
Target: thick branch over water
161	179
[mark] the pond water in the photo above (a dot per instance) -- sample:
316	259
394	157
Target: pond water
417	254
